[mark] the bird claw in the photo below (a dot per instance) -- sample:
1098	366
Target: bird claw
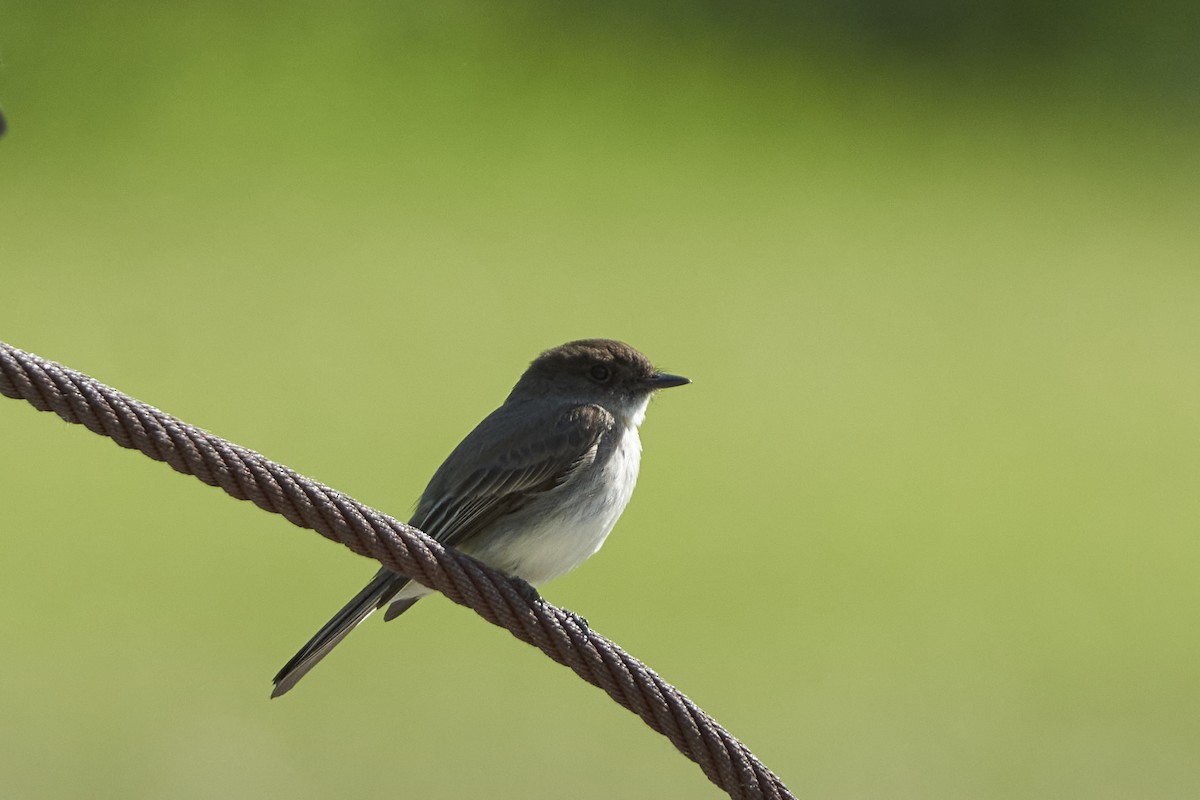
530	594
526	590
579	621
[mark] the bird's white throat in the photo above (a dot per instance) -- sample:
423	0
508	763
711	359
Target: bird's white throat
635	414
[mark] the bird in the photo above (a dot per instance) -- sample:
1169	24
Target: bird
534	489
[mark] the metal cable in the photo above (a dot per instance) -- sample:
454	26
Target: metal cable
497	598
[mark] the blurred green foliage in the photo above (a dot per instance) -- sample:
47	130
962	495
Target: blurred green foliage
924	526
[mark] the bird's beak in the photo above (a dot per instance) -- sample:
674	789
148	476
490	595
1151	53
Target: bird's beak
663	380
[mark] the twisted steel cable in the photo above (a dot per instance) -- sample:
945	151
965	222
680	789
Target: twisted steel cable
501	600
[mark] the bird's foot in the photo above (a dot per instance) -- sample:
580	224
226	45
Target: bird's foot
580	622
530	595
526	590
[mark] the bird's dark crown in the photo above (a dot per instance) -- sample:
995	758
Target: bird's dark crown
590	362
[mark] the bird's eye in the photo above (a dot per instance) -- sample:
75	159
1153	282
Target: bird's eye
600	373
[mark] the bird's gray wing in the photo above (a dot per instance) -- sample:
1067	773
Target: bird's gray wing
513	470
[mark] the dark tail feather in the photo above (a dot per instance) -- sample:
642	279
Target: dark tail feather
398	607
382	588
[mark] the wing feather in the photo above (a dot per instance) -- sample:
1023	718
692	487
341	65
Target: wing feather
453	509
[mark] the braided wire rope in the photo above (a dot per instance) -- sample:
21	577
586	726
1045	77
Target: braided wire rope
501	600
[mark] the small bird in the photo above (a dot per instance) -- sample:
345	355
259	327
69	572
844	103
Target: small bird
535	489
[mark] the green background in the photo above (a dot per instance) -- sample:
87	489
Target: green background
924	526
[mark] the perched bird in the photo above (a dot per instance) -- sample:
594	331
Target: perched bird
535	489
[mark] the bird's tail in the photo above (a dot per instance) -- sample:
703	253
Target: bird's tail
382	588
